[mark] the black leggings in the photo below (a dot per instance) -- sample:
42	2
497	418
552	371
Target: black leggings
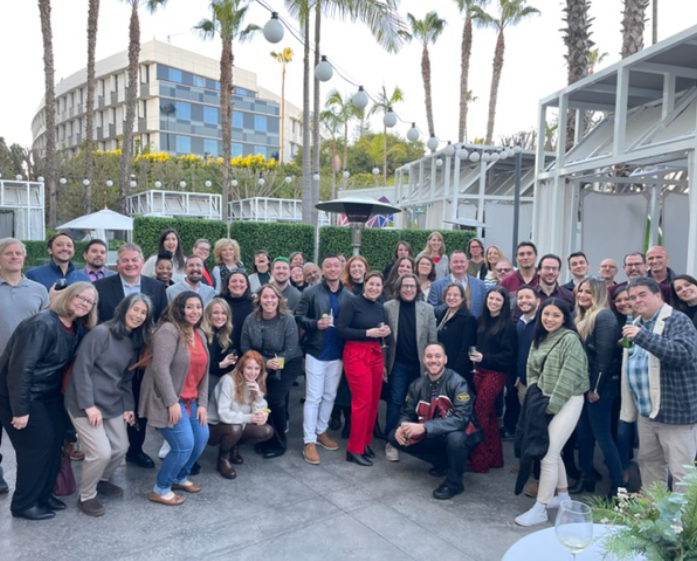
228	436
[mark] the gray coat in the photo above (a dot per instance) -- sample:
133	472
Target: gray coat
425	328
165	375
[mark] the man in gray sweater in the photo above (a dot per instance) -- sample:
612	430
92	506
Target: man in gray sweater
280	271
194	273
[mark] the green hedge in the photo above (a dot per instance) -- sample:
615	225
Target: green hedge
38	255
378	244
147	229
276	238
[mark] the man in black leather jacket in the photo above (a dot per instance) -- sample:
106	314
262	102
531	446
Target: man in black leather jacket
316	315
433	420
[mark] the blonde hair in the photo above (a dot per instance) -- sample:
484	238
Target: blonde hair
502	257
60	304
223	243
257	301
585	317
427	249
225	332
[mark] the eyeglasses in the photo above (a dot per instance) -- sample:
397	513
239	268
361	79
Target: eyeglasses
504	270
549	268
409	286
84	300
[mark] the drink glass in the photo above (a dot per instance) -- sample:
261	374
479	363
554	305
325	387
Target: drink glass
281	361
383	342
473	350
574	526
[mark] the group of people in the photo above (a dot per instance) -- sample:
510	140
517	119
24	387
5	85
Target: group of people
464	348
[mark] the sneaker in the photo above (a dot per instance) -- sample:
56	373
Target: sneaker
310	454
162	454
557	499
109	489
326	442
91	507
391	453
531	489
532	517
445	492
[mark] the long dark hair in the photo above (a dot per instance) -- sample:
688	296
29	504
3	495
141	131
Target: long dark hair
178	256
390	282
174	314
117	325
488	325
540	332
225	293
676	301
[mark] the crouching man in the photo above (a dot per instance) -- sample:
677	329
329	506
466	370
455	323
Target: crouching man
433	419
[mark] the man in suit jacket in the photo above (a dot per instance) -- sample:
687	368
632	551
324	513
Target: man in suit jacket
94	257
474	288
111	291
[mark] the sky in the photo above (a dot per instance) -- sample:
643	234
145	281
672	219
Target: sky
534	65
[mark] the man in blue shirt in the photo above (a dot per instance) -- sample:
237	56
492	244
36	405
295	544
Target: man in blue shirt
61	248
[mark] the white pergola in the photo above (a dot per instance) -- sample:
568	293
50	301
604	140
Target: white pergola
22	209
632	172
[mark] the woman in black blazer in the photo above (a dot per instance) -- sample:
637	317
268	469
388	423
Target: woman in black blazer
457	331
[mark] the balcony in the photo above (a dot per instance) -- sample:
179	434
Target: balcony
174	204
114	96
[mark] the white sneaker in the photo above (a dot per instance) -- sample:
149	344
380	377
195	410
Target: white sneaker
532	517
557	500
391	453
164	450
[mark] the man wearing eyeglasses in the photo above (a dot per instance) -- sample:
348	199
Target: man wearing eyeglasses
502	268
548	271
607	271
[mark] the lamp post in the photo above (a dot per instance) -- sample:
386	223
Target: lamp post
358	210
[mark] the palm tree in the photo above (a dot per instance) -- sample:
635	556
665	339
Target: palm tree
511	13
342	107
331	122
654	22
384	23
595	57
382	105
92	20
465	53
49	110
132	94
633	22
426	31
226	21
283	57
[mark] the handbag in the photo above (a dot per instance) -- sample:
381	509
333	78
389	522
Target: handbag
473	432
65	480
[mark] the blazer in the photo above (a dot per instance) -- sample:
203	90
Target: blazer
425	328
107	272
477	290
110	290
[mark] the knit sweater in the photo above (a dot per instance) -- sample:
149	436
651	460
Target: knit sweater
558	365
223	408
271	337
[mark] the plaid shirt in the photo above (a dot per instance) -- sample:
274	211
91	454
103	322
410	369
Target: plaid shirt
638	373
676	348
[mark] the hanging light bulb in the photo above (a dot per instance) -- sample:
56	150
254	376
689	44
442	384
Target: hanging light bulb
449	150
324	70
262	181
413	133
511	152
18	177
316	176
503	154
40	179
158	184
360	99
439	162
495	157
390	119
85	182
474	157
517	149
208	183
462	153
376	171
234	183
273	29
346	174
486	157
432	143
133	184
62	181
288	179
182	184
110	183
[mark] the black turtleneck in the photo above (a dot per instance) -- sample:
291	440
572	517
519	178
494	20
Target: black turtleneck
406	350
241	307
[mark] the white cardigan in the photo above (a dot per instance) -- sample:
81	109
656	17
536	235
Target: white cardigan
222	407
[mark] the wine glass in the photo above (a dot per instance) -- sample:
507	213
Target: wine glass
473	350
383	341
574	526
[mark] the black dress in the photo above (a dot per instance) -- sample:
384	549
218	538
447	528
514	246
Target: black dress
240	307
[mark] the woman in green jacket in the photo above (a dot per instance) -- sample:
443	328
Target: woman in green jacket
557	363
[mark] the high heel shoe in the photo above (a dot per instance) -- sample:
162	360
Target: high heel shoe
359	459
368	452
583	485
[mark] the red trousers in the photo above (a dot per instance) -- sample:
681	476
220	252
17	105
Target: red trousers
488	385
363	367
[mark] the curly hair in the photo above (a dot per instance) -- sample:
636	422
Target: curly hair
257	301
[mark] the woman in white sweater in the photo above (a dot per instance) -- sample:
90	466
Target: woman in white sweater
237	410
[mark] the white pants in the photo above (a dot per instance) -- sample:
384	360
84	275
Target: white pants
552	471
321	383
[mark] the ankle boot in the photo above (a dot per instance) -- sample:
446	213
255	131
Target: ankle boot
235	457
224	466
584	484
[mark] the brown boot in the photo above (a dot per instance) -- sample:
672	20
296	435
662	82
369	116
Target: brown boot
70	448
235	457
224	466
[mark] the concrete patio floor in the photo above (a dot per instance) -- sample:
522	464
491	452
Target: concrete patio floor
282	509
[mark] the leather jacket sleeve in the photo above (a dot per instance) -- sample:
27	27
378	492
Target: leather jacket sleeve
408	412
602	350
304	315
455	387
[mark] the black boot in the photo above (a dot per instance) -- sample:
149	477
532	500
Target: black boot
359	459
584	484
377	431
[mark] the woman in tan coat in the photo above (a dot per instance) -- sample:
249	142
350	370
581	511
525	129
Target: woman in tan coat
174	394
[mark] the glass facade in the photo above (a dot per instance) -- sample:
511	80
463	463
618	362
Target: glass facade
190	117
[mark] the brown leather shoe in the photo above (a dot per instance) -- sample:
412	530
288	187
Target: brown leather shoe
310	454
109	490
189	487
235	457
326	442
70	448
174	501
225	467
91	507
531	488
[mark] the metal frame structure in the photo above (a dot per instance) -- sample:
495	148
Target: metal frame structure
182	204
646	142
269	209
26	200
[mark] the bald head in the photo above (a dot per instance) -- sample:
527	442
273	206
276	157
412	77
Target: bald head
607	270
657	261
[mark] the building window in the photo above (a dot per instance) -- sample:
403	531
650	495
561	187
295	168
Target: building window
210	146
237	120
175	75
183	111
210	115
200	82
144	73
235	149
260	123
183	144
260	150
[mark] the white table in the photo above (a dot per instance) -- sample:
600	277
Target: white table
544	546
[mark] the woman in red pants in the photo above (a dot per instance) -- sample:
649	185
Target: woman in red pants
362	324
493	359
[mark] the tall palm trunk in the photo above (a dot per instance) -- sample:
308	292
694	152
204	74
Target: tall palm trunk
307	154
226	59
315	115
466	52
633	22
426	75
384	155
92	21
131	101
495	80
578	45
654	22
49	109
283	112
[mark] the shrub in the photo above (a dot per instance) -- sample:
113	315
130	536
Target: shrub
147	229
38	255
276	238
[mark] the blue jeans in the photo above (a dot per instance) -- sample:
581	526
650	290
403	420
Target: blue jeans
187	439
594	425
401	375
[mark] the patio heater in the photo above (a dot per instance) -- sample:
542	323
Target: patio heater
358	210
